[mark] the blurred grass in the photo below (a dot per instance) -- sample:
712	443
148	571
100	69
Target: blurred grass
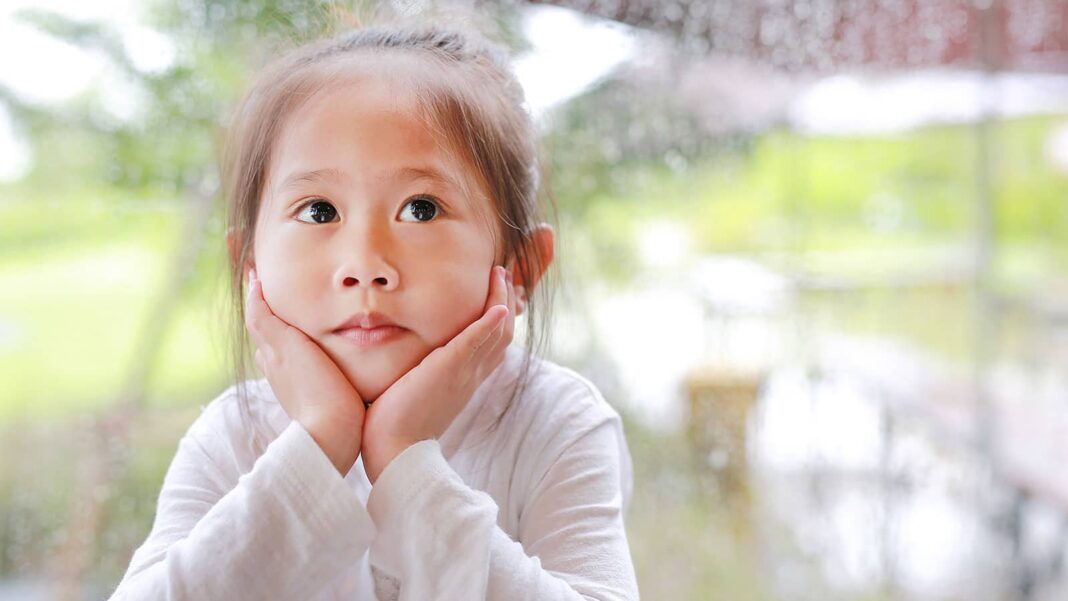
76	296
796	193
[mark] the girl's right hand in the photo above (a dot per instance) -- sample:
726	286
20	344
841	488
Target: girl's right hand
308	384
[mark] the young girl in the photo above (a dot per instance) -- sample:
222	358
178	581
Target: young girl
382	190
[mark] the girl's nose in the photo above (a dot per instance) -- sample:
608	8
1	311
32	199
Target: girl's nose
376	275
365	259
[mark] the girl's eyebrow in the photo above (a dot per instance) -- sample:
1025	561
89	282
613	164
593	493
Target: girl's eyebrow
418	173
317	175
411	173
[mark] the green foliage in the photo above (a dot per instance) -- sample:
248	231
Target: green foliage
784	192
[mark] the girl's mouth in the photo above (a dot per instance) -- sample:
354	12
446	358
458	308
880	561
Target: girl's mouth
371	336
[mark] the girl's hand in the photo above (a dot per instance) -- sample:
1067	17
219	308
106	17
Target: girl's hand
424	401
308	384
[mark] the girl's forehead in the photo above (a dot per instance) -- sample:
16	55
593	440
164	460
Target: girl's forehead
429	92
374	113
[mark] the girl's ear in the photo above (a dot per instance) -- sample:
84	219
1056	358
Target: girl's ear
542	241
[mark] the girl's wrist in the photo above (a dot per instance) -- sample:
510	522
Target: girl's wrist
377	461
338	438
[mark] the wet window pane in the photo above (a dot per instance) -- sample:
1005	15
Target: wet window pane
812	251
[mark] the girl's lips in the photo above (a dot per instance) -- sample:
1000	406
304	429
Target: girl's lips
370	336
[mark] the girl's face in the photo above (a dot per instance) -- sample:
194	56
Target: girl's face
361	214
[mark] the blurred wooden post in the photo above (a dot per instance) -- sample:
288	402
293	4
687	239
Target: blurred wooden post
720	403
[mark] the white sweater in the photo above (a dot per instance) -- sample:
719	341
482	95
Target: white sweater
531	508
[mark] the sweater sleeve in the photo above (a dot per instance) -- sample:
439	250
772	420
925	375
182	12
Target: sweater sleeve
281	531
440	538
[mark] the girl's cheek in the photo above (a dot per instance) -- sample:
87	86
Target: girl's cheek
459	302
278	294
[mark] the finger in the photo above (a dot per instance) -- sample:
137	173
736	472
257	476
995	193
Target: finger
255	310
475	336
508	325
494	319
492	352
262	323
500	297
508	300
498	290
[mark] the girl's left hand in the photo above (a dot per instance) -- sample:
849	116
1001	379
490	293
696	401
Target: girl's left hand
424	401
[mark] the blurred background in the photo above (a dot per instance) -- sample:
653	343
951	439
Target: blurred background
814	251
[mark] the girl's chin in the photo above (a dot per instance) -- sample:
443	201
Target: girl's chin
373	371
370	394
371	380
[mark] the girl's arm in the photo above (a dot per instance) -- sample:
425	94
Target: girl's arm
288	526
440	538
281	531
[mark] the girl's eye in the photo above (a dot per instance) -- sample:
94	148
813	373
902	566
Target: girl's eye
320	212
423	209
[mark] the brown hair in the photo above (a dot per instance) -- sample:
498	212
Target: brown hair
475	107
